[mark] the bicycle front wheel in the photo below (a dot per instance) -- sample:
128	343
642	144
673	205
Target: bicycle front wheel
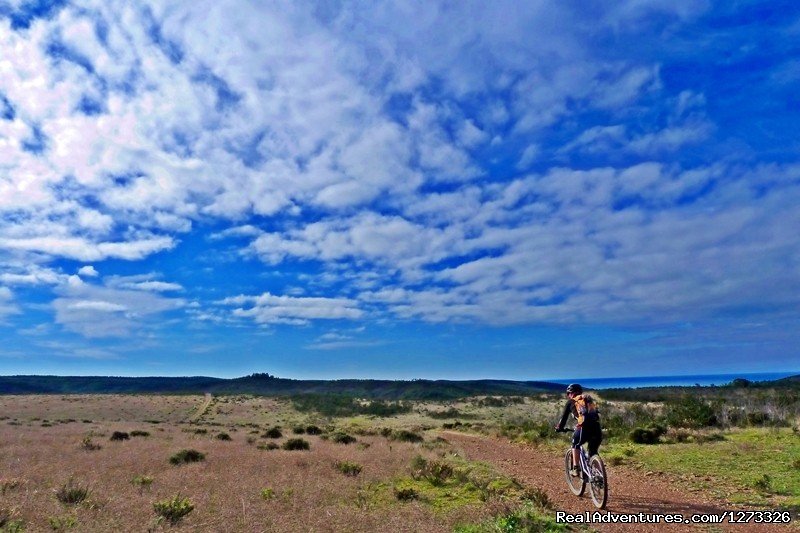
576	484
598	484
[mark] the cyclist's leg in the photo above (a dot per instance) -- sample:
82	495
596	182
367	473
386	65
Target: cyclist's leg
593	435
577	437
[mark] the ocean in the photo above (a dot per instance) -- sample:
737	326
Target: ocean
665	381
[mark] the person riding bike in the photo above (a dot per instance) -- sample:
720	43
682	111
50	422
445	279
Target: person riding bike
587	425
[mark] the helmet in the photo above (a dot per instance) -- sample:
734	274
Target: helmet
575	388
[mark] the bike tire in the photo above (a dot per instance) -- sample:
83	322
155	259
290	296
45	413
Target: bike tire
598	485
577	485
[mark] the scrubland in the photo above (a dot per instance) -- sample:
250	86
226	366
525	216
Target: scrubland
245	463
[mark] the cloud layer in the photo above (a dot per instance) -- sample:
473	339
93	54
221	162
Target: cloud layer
493	163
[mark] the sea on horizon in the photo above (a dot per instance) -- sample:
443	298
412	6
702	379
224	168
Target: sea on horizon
675	381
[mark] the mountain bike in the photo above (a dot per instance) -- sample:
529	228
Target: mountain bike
592	472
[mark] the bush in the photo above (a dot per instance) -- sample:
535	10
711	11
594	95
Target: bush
187	456
268	446
173	510
405	494
690	412
343	438
273	433
139	433
142	481
313	430
222	436
72	494
267	494
299	430
648	435
296	444
348	468
119	435
405	435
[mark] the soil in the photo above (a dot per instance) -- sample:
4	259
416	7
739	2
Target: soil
630	490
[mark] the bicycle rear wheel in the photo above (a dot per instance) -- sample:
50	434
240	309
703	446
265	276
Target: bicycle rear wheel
598	485
576	484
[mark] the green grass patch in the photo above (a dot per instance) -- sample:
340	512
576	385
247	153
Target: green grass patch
750	466
527	518
445	485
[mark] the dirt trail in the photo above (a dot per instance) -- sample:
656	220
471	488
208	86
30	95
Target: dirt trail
630	491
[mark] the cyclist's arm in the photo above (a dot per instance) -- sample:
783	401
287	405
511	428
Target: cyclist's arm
565	415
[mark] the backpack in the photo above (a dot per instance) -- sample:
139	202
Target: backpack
585	408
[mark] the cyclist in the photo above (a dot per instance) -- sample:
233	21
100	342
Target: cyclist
587	425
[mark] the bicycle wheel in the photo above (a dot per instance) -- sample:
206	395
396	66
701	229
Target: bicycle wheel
598	485
576	484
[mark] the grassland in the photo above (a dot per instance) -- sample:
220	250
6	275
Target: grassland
246	480
127	462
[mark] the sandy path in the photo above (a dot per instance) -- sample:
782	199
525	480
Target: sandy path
630	491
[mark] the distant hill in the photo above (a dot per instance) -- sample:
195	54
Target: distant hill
267	385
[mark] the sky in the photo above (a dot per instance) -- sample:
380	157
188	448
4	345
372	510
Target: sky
399	190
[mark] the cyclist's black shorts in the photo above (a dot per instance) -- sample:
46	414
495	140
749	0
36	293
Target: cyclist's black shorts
589	432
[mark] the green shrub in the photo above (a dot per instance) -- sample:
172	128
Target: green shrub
405	435
406	494
139	433
299	430
173	510
273	433
647	435
313	430
72	494
690	412
267	494
342	438
200	431
142	482
268	446
187	456
348	468
222	436
296	444
120	435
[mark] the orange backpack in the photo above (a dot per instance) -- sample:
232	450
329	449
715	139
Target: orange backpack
585	408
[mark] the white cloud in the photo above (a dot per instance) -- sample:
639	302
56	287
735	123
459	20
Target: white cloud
88	271
272	309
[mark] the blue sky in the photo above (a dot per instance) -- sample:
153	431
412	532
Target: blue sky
414	189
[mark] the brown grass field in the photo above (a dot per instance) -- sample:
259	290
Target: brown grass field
41	450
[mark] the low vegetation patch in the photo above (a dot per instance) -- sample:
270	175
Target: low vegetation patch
62	523
342	438
222	436
187	456
296	444
119	436
143	482
348	468
335	405
269	446
89	445
273	433
173	510
527	518
732	468
140	433
403	435
71	493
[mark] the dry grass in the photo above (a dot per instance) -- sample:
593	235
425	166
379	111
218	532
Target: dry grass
227	489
